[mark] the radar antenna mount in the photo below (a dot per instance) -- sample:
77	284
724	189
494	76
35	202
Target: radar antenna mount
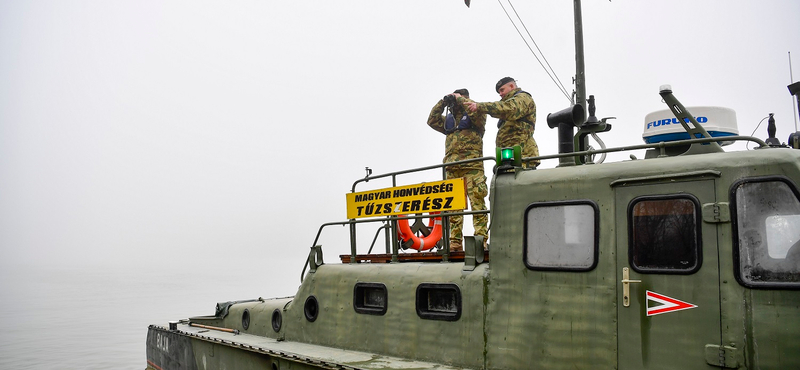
696	131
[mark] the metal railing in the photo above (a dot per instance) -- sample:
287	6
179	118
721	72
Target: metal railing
390	222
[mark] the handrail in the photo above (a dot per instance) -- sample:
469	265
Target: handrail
375	239
419	169
661	146
384	219
393	175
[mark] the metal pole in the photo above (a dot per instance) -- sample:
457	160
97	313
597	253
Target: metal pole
796	103
352	242
395	242
445	240
580	69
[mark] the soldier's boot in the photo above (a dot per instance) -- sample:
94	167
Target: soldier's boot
455	246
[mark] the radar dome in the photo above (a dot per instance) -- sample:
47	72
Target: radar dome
663	126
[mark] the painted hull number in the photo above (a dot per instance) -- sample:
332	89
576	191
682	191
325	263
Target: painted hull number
162	342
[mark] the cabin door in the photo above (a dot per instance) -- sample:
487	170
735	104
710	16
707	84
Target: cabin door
667	276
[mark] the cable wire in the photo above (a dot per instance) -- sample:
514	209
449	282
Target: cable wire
564	89
747	145
560	87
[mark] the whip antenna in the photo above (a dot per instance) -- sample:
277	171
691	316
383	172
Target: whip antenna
794	101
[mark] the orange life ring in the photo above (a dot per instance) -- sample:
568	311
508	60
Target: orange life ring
420	243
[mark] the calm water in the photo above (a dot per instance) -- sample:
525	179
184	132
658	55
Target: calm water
97	318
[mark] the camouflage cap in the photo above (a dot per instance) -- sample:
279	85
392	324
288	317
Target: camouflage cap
502	82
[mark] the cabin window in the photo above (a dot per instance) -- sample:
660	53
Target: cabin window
664	234
439	302
370	298
561	236
767	229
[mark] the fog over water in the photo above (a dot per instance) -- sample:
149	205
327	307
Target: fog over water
69	318
157	157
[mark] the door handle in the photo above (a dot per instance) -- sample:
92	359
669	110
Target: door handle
626	287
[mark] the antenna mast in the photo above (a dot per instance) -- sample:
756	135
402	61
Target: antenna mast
580	72
793	86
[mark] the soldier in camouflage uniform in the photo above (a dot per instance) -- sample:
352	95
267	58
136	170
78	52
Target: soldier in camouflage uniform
517	113
464	141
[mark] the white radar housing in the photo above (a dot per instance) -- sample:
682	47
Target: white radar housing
663	126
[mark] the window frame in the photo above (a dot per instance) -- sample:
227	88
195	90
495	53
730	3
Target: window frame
358	305
737	271
422	300
595	241
698	213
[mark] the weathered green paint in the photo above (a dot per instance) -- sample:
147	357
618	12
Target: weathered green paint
514	317
651	342
548	319
400	332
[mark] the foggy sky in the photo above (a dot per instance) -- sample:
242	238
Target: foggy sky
201	132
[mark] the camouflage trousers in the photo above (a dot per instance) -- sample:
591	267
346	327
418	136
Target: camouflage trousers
476	191
530	149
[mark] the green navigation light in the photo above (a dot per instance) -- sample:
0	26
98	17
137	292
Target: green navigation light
506	154
509	156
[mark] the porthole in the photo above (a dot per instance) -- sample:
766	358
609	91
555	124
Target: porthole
246	319
311	308
277	320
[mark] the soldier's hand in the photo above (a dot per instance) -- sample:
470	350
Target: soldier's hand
457	95
471	106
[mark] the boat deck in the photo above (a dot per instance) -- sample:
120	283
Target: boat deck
309	354
408	257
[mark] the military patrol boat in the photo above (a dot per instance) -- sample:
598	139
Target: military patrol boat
686	259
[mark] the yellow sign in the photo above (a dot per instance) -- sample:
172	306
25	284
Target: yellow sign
447	195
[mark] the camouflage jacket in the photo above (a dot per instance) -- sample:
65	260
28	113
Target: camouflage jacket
460	144
517	114
516	107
